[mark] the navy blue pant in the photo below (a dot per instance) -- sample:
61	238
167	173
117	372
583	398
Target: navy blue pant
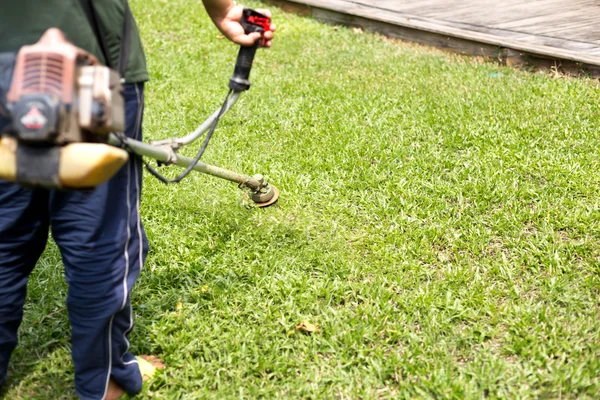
103	246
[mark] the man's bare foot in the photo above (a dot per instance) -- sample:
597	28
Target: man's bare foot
149	365
114	391
152	363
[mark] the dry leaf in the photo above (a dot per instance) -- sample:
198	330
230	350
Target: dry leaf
179	306
220	36
357	30
307	327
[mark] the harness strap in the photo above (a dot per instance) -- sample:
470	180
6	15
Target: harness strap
7	66
125	48
125	40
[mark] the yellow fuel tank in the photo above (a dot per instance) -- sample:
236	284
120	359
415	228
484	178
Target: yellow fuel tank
8	159
81	165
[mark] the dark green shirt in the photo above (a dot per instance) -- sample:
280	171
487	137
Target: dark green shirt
23	22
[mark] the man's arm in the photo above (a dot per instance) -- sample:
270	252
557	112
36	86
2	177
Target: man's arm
227	16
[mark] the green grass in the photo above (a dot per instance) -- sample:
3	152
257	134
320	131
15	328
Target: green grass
439	219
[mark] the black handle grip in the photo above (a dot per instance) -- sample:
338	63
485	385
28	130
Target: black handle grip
252	21
241	74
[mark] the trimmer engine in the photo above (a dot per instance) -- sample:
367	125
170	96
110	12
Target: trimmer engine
61	96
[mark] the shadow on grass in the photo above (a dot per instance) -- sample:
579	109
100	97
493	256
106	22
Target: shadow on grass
240	251
246	280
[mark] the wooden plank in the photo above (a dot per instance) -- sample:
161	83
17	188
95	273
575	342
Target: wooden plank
539	21
409	34
292	7
562	30
511	12
432	26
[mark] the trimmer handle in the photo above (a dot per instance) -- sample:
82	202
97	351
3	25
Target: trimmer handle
252	21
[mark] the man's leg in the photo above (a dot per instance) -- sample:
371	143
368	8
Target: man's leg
104	246
23	236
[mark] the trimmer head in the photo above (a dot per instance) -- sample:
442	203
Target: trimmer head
272	195
266	194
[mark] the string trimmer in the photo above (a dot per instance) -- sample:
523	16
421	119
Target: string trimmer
67	115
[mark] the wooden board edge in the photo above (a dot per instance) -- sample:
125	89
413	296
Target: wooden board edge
292	7
495	51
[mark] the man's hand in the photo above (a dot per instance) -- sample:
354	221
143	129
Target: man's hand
227	16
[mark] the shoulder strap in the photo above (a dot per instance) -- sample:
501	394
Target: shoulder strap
125	40
88	9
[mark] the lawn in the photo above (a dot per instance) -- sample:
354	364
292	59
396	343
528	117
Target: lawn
439	220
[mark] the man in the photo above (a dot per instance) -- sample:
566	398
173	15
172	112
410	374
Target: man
99	233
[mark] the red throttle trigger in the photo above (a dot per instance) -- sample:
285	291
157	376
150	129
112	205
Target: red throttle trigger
253	21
